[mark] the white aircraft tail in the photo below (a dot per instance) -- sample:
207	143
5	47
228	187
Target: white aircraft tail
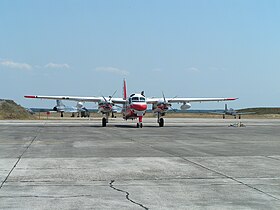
59	103
226	109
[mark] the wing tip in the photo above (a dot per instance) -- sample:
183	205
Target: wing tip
231	99
30	96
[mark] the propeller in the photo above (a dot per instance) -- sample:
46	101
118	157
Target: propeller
166	102
110	98
107	104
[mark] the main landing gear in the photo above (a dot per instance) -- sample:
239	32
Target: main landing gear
160	120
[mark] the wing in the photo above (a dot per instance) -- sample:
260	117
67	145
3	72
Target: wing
216	112
79	98
187	100
243	113
118	100
70	98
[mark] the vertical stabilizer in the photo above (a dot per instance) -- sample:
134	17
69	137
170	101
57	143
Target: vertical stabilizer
124	90
59	103
226	109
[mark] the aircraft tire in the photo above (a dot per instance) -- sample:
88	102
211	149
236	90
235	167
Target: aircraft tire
104	122
161	122
137	125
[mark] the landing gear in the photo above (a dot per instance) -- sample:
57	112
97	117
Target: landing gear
105	119
139	125
104	122
160	120
61	114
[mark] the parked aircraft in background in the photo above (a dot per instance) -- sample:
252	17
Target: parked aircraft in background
133	106
79	109
232	112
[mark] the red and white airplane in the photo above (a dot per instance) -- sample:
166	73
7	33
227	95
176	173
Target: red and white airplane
134	106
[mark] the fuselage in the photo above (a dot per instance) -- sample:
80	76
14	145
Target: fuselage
134	107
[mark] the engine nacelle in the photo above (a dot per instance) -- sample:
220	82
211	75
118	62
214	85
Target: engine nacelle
80	105
186	106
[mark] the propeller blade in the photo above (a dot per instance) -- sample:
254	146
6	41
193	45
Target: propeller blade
163	97
105	99
110	97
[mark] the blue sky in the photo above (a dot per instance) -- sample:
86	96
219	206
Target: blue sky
188	48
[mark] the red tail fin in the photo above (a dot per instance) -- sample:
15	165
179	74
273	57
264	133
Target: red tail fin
124	89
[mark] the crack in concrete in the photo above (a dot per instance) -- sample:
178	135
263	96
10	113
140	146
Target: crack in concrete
19	158
202	166
273	158
232	178
127	195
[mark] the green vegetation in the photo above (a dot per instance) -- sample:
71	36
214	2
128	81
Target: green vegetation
9	110
262	110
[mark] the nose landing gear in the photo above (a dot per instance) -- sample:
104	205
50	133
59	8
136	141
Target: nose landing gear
105	119
160	120
140	124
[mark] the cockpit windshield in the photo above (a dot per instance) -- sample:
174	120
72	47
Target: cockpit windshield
138	99
135	99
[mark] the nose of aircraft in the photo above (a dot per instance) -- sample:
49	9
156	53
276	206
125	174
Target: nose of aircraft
139	107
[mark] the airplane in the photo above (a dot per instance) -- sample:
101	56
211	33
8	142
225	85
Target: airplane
134	106
79	108
232	112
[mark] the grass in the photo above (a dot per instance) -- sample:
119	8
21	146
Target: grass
9	110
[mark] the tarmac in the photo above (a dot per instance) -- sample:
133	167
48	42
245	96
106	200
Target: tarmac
188	164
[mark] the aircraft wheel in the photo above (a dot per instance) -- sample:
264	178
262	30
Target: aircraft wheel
141	125
137	125
104	122
161	122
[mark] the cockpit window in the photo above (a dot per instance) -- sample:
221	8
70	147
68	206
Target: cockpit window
142	99
135	99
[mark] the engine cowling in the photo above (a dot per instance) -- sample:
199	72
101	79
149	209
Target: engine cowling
186	106
80	105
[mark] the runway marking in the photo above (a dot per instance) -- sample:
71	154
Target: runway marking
19	158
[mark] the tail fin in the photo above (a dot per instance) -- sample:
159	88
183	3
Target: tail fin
226	109
59	103
124	90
